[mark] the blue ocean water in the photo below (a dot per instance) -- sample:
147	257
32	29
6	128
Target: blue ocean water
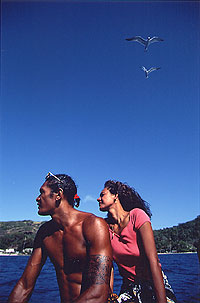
183	273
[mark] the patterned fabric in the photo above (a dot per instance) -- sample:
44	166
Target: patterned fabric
143	292
113	298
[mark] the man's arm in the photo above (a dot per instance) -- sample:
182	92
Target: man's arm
23	289
96	278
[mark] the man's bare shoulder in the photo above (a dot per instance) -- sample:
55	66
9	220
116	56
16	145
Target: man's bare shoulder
85	217
93	219
93	224
47	227
45	230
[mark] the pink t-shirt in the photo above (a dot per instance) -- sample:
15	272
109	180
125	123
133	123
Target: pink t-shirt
128	250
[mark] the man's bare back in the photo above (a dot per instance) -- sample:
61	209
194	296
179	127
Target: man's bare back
78	245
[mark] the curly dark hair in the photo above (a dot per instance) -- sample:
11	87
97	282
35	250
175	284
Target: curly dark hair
67	184
128	196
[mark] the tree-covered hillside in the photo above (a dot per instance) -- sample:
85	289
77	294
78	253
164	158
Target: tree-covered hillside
183	237
18	234
21	234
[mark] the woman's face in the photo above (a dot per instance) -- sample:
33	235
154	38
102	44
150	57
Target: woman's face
106	200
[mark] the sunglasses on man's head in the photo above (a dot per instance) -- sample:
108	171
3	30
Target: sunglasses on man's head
52	175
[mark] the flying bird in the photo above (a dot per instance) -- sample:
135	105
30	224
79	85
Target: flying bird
145	42
147	71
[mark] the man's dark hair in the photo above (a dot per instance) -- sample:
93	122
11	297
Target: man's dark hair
68	186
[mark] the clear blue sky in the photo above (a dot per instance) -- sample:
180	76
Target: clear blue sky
75	101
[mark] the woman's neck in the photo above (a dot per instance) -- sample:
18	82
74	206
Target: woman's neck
117	215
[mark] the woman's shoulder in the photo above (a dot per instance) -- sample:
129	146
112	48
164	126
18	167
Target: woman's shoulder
137	211
138	217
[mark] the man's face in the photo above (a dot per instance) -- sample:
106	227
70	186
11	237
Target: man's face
46	201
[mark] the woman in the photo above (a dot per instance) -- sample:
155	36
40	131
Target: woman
133	244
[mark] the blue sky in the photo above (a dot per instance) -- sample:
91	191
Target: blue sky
75	100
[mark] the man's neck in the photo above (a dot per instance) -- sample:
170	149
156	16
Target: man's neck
65	214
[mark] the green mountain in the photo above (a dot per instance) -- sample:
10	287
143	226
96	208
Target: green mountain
180	238
183	237
18	234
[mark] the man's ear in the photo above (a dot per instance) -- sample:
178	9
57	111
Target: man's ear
59	194
59	197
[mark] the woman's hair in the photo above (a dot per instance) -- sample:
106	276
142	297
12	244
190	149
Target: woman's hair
127	195
68	186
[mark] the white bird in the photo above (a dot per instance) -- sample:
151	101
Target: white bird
147	71
145	42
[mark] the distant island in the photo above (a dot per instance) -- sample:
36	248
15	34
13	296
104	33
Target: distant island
185	237
17	237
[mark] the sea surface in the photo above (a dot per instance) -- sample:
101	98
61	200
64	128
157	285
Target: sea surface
182	270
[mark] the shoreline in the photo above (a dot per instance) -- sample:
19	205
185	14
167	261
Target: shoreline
14	255
176	253
20	255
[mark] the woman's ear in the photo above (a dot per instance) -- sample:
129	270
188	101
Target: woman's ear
116	198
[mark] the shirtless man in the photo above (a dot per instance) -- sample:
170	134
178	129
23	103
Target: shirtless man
76	242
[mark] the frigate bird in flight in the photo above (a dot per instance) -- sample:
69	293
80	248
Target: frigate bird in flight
145	42
147	71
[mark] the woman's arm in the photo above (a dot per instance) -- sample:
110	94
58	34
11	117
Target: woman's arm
112	279
147	237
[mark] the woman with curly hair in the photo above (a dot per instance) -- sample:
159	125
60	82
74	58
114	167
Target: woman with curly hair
133	245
